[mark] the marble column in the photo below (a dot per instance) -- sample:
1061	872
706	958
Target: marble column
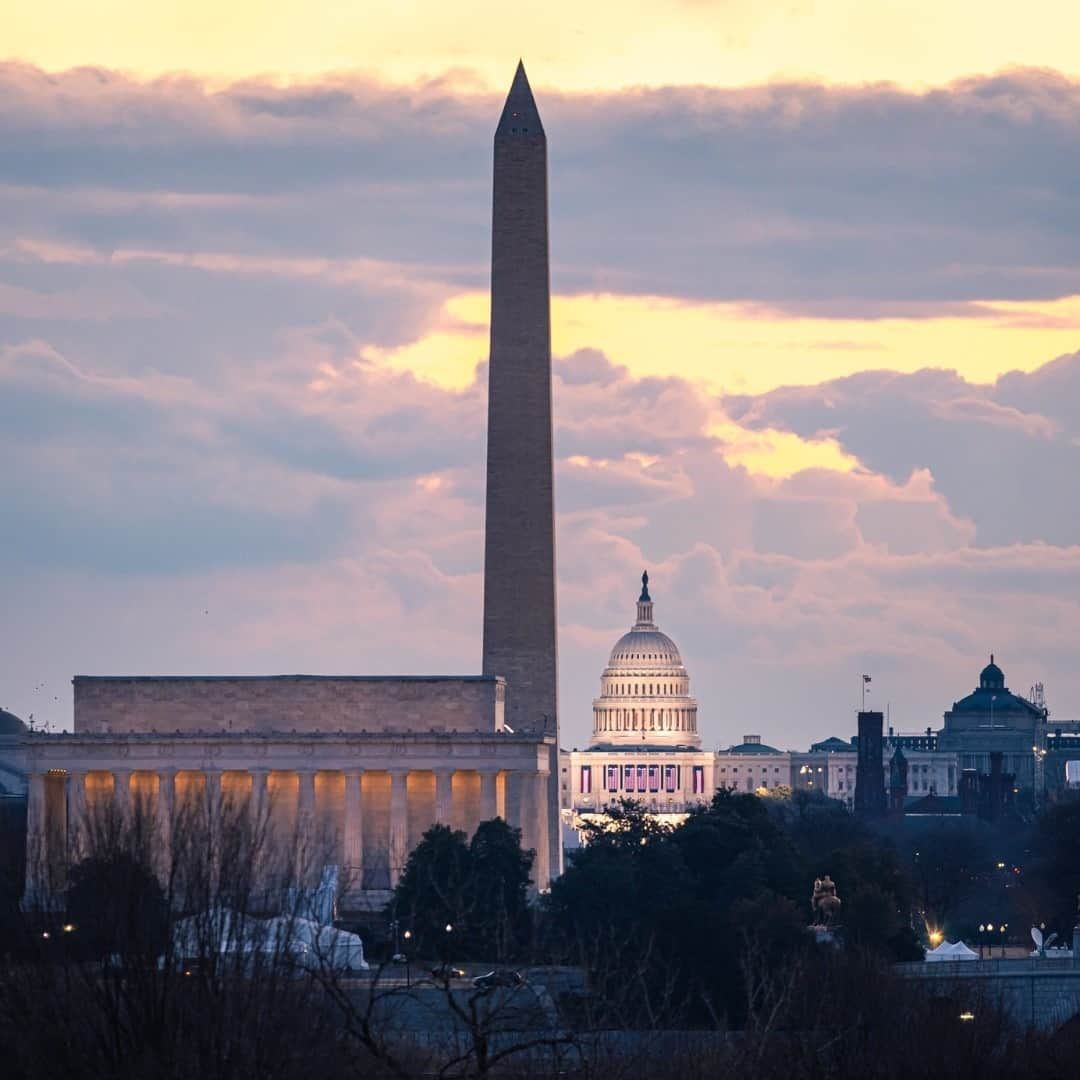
514	809
212	792
444	797
305	825
37	842
212	808
489	802
258	807
542	866
528	811
399	824
165	810
76	815
353	870
122	795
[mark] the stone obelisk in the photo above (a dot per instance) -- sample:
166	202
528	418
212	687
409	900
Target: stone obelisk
519	549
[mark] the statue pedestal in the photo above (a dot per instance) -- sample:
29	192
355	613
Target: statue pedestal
825	935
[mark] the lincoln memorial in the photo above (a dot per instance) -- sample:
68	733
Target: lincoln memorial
363	765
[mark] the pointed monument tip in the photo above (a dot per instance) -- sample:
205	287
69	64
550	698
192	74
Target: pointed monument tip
520	115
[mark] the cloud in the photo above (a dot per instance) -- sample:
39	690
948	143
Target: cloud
221	455
1004	456
811	197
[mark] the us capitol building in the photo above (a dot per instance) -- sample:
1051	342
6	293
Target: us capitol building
645	743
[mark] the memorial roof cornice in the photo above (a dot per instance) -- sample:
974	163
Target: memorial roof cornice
226	737
288	678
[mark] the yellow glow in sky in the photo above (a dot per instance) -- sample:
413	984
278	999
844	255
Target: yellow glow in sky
738	348
778	454
570	45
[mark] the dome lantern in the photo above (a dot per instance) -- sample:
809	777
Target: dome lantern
991	677
644	605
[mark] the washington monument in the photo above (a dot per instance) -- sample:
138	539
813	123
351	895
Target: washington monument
519	548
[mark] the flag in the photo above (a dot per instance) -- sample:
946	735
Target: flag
866	678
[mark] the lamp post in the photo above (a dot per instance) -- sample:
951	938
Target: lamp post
408	938
1003	928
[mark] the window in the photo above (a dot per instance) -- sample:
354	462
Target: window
699	779
654	777
628	777
612	778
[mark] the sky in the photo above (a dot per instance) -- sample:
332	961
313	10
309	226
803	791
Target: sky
816	324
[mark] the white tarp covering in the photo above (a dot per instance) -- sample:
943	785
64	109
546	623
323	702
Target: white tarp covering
951	950
302	941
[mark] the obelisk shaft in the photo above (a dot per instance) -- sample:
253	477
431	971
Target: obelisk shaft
519	551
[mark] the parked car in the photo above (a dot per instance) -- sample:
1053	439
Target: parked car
499	977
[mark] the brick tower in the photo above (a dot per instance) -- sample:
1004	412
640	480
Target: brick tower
519	548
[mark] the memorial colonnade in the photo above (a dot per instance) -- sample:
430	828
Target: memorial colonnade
360	803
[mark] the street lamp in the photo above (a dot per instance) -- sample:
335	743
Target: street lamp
407	937
1003	928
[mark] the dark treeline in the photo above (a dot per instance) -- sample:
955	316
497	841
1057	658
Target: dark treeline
693	947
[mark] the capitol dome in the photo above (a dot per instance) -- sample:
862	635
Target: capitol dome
641	648
645	690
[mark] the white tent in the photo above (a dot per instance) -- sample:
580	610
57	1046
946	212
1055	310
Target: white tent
303	941
951	950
